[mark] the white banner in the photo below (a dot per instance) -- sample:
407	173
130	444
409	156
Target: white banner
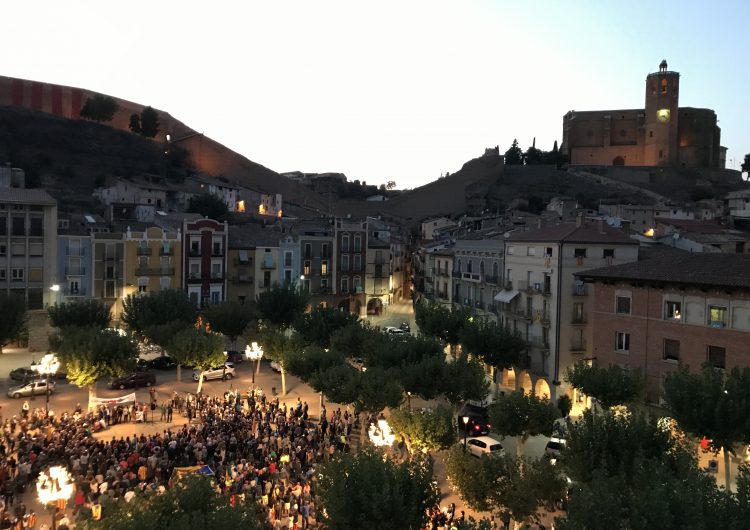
96	401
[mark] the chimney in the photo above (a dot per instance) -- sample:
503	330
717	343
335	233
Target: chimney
579	220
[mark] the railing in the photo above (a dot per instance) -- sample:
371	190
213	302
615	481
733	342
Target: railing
166	251
456	274
81	291
76	252
217	275
217	252
242	279
195	252
577	346
143	251
154	271
578	319
75	271
580	290
491	279
546	290
268	264
471	276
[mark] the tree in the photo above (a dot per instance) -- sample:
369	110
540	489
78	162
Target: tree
230	318
149	122
746	164
564	405
281	305
711	404
13	322
376	390
135	123
495	344
208	205
514	155
337	383
391	184
522	415
143	312
472	478
428	430
317	326
436	320
312	359
610	386
99	108
85	312
90	354
464	380
198	348
192	502
365	491
533	156
280	346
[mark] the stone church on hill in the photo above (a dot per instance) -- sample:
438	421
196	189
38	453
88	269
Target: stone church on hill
662	134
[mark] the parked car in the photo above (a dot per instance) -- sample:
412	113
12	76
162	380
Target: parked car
38	387
484	445
163	362
134	380
554	447
404	326
220	372
25	373
478	423
235	356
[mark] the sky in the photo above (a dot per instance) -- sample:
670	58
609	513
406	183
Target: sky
389	90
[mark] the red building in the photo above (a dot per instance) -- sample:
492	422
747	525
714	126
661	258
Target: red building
204	249
671	309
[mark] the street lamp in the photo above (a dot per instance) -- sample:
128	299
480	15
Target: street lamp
254	353
408	399
48	365
53	486
466	430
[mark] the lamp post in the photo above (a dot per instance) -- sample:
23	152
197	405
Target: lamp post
408	400
466	430
254	353
53	486
48	365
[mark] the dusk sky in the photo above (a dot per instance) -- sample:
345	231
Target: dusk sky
382	91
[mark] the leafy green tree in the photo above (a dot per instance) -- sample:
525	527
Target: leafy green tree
514	155
564	405
149	122
230	318
522	415
338	383
424	430
90	354
85	312
192	502
533	156
464	380
351	339
387	351
135	123
317	326
473	478
280	346
494	344
422	378
713	404
746	164
99	108
143	312
14	321
376	390
198	348
208	205
365	491
610	386
312	359
281	305
436	320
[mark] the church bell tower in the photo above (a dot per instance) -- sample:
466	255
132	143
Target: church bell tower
662	104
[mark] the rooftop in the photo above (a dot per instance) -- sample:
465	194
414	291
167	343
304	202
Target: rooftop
701	269
587	232
26	196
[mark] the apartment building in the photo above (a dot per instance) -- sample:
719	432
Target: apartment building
378	286
351	255
240	265
289	259
669	310
109	270
442	276
266	262
544	302
477	273
153	259
316	260
204	258
75	258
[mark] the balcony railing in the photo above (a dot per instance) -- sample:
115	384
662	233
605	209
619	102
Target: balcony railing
491	279
580	290
81	291
75	252
267	264
166	251
75	271
217	275
579	319
154	271
195	252
143	251
577	346
242	279
216	252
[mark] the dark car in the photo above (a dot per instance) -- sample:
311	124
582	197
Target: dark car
404	326
25	373
162	363
136	380
235	356
478	420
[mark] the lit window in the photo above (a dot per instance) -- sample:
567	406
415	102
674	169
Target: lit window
672	310
622	341
717	316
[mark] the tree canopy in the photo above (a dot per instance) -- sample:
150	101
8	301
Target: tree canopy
281	305
84	312
99	108
428	430
441	322
149	122
464	380
522	415
208	205
495	344
142	313
610	386
14	321
201	349
365	491
514	154
746	163
230	318
318	325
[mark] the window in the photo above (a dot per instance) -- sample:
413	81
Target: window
622	305
671	350
357	262
622	341
324	267
661	153
481	267
531	251
308	250
324	251
608	253
2	274
717	316
215	297
306	268
357	284
672	310
109	272
3	249
579	253
717	356
345	262
323	285
510	250
663	86
287	277
165	282
357	243
195	271
142	285
216	248
35	227
3	226
19	226
266	278
345	244
548	252
195	247
287	259
17	275
460	266
344	285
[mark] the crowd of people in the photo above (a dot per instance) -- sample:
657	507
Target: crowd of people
256	447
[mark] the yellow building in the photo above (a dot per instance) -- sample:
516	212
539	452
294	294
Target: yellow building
152	260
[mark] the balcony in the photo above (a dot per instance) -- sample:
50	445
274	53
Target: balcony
81	291
267	264
195	252
143	251
263	285
166	251
580	290
456	274
491	279
75	252
579	320
217	275
75	271
242	279
542	317
470	277
154	271
195	276
217	252
578	346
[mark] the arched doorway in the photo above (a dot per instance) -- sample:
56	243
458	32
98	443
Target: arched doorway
357	307
508	380
374	306
618	161
542	389
525	384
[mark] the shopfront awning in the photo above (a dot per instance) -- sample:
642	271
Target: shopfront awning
506	296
